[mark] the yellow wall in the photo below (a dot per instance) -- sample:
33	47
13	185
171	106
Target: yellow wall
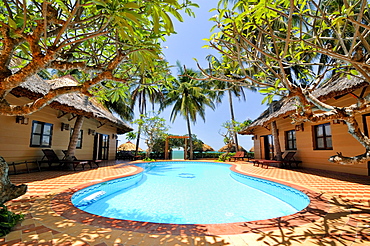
342	142
15	137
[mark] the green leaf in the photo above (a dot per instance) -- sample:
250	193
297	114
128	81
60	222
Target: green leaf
264	91
12	23
62	6
354	72
131	5
264	100
101	3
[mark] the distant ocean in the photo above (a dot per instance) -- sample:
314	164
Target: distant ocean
177	154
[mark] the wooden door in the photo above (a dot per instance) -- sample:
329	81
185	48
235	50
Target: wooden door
267	147
101	146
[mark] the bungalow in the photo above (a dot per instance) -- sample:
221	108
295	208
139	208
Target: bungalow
314	143
24	137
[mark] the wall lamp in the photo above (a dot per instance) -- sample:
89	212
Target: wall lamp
339	121
22	120
91	132
299	127
114	136
65	127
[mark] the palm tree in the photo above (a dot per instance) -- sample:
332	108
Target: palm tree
230	88
115	96
188	97
143	93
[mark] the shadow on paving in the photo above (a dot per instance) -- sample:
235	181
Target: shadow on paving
56	173
352	178
347	224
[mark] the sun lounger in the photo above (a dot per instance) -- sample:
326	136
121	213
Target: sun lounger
50	157
287	160
238	155
90	162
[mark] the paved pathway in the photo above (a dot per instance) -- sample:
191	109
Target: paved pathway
347	222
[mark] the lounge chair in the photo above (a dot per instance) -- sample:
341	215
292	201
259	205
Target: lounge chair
238	155
287	160
74	158
50	158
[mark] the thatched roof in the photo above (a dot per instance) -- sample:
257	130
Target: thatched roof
128	146
75	102
286	106
232	149
207	148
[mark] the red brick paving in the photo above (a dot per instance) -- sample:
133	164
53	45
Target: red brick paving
347	223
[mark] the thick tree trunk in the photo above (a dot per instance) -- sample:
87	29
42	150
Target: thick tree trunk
347	114
275	134
190	138
235	135
137	140
141	110
74	138
277	148
356	132
340	159
8	190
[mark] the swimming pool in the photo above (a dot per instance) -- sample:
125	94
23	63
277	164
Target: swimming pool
189	193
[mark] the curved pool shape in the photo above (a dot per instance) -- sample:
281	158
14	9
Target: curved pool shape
190	193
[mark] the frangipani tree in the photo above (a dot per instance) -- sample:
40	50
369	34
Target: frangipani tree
153	128
106	40
232	127
293	48
103	38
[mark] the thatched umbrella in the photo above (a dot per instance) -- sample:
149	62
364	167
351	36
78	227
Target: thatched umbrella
206	147
232	149
128	147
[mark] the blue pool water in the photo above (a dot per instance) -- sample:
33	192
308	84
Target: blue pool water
189	193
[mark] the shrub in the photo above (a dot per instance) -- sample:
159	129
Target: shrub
200	155
8	220
225	156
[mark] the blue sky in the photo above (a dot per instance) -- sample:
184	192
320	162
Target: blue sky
184	47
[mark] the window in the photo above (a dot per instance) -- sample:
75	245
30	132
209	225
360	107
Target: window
290	143
79	140
41	134
323	136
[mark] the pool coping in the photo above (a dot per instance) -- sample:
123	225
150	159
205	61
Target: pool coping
318	207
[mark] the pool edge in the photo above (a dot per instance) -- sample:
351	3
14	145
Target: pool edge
62	205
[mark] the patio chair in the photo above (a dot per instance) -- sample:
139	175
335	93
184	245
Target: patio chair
257	162
287	160
74	158
238	155
50	158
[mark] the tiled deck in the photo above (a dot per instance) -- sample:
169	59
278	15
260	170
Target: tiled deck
346	223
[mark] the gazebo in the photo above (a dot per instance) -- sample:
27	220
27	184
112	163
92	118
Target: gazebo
206	148
166	155
226	148
128	146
